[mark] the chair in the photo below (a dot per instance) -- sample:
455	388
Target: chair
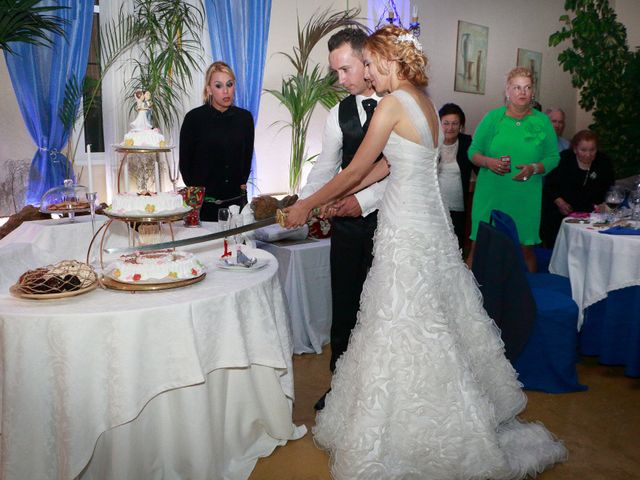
538	325
558	283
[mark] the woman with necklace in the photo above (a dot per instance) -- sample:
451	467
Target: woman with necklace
578	184
514	146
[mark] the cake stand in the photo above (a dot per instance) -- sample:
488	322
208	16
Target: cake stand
157	153
134	222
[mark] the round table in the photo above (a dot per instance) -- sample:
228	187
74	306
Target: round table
195	381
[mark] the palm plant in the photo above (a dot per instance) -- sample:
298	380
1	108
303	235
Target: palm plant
308	86
165	37
169	51
22	21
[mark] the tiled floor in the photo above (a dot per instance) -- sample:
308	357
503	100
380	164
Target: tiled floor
601	427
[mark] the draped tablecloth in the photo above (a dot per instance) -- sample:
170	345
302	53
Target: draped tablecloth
306	278
595	263
192	383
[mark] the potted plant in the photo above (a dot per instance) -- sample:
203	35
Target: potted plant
607	74
309	85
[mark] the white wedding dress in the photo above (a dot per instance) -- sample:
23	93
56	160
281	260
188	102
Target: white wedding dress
424	390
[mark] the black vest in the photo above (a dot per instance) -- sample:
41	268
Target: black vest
352	132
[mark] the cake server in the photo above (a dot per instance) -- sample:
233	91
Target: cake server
279	218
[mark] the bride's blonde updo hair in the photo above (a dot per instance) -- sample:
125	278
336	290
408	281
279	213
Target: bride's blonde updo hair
398	44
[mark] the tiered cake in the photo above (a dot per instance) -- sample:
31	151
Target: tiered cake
151	203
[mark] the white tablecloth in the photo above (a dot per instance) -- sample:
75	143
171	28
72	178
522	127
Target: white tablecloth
187	383
306	278
595	263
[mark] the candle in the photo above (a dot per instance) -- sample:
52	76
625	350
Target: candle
89	172
414	14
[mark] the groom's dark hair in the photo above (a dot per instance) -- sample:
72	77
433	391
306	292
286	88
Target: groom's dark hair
354	37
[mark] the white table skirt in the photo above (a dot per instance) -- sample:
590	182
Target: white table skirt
75	368
595	263
306	278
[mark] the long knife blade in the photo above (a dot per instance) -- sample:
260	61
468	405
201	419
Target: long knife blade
278	218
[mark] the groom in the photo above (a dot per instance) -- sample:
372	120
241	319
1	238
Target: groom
355	216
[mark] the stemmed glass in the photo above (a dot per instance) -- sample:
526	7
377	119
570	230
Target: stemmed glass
634	200
224	218
614	199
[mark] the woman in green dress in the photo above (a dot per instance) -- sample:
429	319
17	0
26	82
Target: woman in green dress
513	146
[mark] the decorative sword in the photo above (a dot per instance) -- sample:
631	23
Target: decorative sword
279	218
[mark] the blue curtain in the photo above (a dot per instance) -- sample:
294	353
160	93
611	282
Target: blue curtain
39	75
238	30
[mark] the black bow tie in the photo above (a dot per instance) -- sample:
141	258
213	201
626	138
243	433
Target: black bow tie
369	106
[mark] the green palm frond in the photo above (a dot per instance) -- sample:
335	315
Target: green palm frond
23	21
319	26
308	86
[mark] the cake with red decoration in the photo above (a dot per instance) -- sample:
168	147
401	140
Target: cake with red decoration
156	266
147	203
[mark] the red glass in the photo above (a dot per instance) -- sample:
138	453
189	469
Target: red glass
193	197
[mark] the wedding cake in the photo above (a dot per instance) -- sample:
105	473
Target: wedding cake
141	133
156	265
152	203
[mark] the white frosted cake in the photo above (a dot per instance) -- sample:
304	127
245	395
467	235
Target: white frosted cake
144	138
154	203
156	265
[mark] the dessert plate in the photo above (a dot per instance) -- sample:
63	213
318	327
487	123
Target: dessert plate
236	267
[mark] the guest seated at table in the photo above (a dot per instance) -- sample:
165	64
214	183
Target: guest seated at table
216	144
578	184
454	168
557	117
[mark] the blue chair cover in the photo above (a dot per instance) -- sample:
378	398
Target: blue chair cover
543	258
611	330
506	225
548	362
546	357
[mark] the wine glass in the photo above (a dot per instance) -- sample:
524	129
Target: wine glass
634	200
614	199
224	218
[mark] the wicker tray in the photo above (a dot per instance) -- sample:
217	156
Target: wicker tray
15	291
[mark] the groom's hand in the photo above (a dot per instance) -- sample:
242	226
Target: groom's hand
347	207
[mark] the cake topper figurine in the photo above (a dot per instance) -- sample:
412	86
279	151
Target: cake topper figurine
143	107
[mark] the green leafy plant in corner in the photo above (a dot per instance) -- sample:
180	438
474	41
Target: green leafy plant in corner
309	85
607	73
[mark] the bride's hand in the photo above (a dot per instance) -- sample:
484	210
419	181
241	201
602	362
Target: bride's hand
297	214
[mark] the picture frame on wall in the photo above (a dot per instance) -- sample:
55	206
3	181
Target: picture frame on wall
471	58
533	61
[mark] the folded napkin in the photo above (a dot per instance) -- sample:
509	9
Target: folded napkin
273	233
618	230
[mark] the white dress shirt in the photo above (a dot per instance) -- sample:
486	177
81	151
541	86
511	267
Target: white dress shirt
329	161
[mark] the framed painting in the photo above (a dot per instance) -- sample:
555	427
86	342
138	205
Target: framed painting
533	61
471	58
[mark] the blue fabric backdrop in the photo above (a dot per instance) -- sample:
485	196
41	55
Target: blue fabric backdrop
238	30
39	75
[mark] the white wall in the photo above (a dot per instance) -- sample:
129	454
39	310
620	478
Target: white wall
512	24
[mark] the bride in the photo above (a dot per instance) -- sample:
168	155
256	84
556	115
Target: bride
424	390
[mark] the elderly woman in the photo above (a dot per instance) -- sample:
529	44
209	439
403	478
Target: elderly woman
454	168
578	184
513	146
216	144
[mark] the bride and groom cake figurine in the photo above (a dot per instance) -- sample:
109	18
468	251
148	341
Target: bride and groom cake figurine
142	133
